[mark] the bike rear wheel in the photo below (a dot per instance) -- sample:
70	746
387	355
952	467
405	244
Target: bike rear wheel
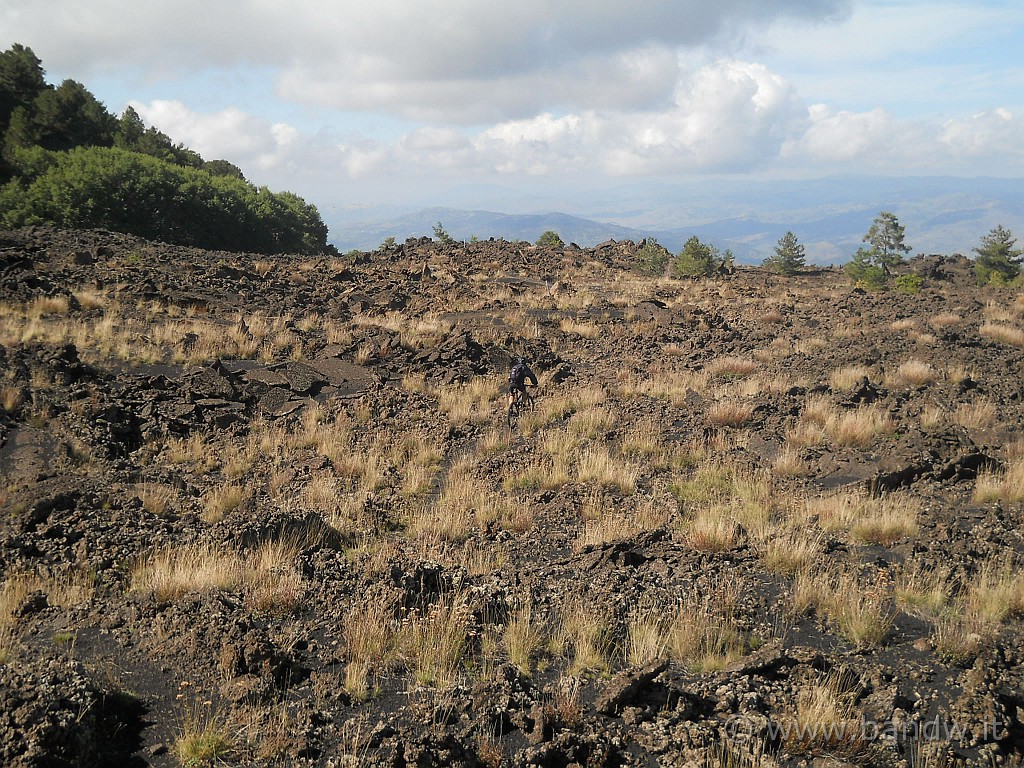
513	414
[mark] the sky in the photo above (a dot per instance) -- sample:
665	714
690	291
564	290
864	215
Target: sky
357	103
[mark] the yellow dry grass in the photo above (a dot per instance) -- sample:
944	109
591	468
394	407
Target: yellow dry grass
914	373
731	365
265	574
1003	333
1001	485
842	379
730	413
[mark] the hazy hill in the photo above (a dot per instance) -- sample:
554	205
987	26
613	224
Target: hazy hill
830	216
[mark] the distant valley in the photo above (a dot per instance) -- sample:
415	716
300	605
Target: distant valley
829	216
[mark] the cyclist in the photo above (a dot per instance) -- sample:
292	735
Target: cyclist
517	378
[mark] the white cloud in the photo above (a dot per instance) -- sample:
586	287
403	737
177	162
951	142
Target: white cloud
724	116
457	60
566	90
230	132
992	134
730	116
842	137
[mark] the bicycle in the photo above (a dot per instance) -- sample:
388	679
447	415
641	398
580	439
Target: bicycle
518	399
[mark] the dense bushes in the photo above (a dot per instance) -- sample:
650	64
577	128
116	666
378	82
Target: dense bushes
116	189
65	161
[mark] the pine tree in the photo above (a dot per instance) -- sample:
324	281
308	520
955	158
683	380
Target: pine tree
697	259
998	261
886	239
789	257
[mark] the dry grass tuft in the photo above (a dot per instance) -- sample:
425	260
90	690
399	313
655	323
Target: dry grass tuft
923	592
904	324
773	317
169	574
914	373
434	642
886	520
593	422
11	398
732	366
222	501
1007	485
789	463
47	305
673	386
370	630
597	464
587	330
959	638
871	520
857	428
601	524
586	627
701	631
525	635
266	574
825	720
712	529
472	402
847	377
464	502
205	738
1002	333
863	613
860	427
944	320
64	589
730	413
980	414
791	551
996	593
156	498
644	440
933	417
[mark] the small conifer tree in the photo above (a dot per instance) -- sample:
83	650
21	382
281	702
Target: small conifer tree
887	244
697	259
550	239
789	257
998	261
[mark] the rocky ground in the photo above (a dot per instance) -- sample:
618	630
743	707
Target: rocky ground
264	511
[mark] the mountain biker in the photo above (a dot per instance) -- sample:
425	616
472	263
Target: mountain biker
517	378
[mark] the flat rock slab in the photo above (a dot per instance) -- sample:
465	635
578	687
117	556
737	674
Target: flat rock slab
28	454
347	377
301	378
266	376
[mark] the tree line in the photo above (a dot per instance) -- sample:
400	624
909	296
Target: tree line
66	161
997	260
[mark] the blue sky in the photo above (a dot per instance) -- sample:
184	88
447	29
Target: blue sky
399	100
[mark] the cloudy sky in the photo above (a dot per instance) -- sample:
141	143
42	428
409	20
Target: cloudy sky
365	102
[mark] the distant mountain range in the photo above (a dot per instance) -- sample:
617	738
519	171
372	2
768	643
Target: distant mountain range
829	216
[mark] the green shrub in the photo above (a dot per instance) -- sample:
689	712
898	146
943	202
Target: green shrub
110	188
864	273
442	234
908	284
697	259
652	258
550	239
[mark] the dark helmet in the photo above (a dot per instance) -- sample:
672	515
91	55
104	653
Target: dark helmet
520	361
